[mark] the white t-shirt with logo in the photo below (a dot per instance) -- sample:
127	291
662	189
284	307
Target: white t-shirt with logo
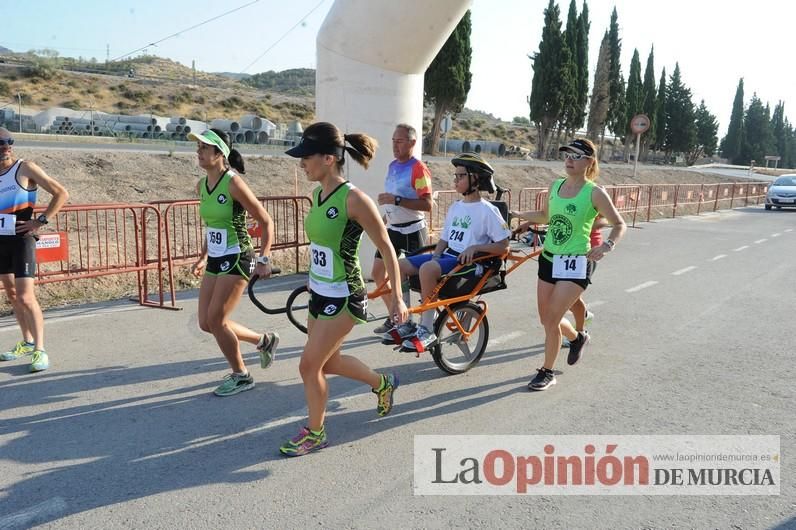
473	223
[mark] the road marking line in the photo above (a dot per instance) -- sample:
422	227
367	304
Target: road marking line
776	235
640	287
43	510
717	258
683	271
509	336
789	230
596	303
760	241
740	248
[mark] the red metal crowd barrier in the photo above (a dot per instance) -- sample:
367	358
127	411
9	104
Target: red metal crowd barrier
89	241
94	240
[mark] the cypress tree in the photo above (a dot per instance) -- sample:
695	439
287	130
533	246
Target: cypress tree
757	127
649	103
598	109
616	91
706	128
551	79
634	98
778	130
732	144
582	61
680	120
659	121
570	114
447	80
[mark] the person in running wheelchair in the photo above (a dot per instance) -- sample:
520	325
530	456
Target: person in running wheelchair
473	225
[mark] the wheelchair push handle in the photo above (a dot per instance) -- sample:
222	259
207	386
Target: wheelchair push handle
256	302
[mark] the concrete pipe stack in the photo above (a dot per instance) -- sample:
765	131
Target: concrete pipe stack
455	146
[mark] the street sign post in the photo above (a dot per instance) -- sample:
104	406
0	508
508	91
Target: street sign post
639	124
445	125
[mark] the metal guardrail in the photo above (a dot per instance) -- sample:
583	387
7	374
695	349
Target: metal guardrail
149	240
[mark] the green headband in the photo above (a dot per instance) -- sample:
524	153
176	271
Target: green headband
211	138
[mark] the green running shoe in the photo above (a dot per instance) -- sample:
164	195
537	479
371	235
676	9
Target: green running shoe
304	442
388	385
234	384
40	361
20	349
267	349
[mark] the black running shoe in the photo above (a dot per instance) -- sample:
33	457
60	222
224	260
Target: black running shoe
576	347
543	379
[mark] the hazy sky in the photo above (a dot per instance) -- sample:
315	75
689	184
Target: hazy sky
715	42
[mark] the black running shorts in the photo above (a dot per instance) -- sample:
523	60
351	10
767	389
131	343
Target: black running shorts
325	307
546	273
18	256
236	264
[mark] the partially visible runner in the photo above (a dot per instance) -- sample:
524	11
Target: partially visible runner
472	225
583	317
407	195
566	262
579	310
19	183
338	298
227	258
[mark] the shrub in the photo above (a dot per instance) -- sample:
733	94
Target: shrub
232	102
40	70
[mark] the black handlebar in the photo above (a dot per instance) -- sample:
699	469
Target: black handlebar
253	297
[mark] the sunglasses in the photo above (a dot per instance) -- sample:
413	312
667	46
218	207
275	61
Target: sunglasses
575	156
6	141
459	176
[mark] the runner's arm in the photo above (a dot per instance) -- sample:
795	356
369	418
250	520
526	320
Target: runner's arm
244	195
602	202
50	185
363	210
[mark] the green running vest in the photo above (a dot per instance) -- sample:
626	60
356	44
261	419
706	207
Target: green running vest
224	217
334	245
570	221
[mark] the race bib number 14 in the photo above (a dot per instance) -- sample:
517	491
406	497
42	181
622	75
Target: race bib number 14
569	267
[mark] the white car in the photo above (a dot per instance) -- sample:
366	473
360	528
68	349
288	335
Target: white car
782	192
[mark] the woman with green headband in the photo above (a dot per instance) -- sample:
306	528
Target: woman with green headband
227	258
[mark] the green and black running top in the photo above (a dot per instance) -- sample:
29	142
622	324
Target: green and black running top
570	221
334	245
225	219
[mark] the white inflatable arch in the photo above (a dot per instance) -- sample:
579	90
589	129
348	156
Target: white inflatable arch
372	55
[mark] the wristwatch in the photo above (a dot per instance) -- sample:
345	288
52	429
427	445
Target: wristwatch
398	200
42	219
610	243
263	260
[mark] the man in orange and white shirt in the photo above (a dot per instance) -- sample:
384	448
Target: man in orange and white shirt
407	195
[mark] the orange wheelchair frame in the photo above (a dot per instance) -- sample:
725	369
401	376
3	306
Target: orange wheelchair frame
461	326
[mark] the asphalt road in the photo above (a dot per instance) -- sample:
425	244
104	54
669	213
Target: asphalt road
693	335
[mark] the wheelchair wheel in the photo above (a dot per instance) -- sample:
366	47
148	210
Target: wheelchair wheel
453	353
298	307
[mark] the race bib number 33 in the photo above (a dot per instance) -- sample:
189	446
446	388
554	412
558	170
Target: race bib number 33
321	261
569	267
